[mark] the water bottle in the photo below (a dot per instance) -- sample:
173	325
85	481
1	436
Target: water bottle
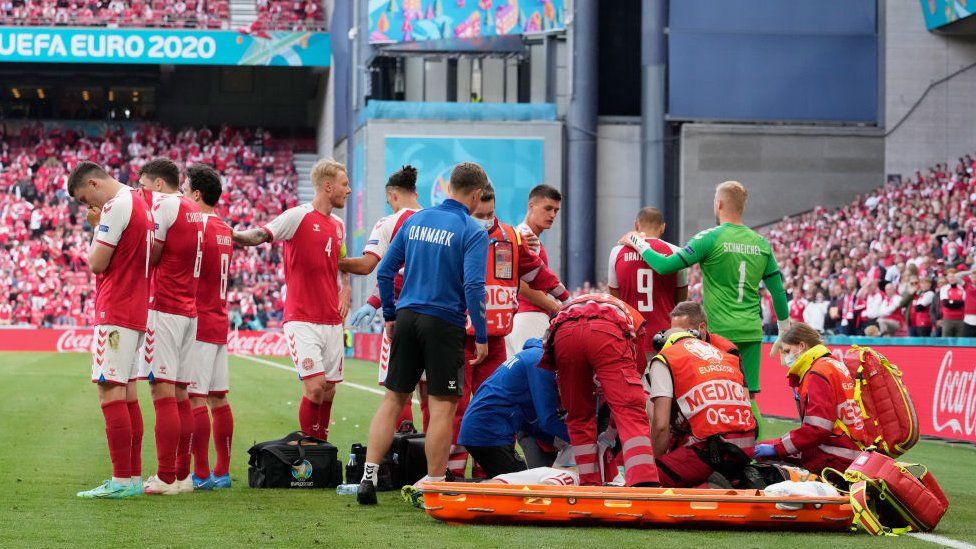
347	489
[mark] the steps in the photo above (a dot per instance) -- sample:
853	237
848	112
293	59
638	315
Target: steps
303	165
242	13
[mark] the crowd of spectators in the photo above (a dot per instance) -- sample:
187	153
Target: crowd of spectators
201	14
197	14
43	270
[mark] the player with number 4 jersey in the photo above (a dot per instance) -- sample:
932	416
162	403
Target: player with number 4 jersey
315	305
654	295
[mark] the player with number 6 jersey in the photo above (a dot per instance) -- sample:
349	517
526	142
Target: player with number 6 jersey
314	306
176	253
208	376
654	295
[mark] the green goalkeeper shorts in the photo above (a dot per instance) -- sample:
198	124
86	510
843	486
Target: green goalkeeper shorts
751	355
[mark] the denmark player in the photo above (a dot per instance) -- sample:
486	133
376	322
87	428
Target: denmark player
209	381
314	306
535	307
633	281
401	195
119	258
176	254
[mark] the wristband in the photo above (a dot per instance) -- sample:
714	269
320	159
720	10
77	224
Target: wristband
637	242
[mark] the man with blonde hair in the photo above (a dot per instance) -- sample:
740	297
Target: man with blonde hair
734	260
315	305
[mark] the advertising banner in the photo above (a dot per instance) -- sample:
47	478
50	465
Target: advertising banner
939	13
941	380
164	46
367	346
415	20
513	165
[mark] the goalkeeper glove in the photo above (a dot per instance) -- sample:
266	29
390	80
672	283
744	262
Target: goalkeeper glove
363	317
637	241
764	450
781	327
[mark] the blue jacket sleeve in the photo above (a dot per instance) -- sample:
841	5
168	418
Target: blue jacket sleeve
475	265
388	268
545	398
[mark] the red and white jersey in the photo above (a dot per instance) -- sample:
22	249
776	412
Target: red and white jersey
212	323
384	230
643	289
524	305
179	228
379	241
122	290
313	244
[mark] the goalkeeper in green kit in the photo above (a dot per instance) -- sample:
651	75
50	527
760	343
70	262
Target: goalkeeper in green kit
734	259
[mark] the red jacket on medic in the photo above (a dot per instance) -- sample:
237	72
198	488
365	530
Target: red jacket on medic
831	419
603	306
509	261
709	393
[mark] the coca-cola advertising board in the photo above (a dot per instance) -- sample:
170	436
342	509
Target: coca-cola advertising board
80	340
941	380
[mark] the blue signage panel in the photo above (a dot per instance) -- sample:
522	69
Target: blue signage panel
513	165
939	13
163	47
409	20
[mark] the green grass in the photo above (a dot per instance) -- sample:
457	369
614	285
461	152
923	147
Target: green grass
53	446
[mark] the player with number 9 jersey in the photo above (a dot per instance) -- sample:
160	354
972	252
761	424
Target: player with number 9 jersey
653	295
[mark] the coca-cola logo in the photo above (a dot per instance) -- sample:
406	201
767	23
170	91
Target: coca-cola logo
257	343
954	399
74	341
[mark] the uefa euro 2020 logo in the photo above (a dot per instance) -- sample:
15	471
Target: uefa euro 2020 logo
302	471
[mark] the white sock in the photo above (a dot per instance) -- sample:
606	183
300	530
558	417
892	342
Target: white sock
369	472
428	478
122	481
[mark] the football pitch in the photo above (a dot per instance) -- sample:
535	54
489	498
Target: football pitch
53	445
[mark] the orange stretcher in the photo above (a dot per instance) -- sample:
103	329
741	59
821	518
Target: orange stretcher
461	503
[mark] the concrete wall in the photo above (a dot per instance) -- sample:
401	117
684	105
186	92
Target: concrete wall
787	169
618	184
943	127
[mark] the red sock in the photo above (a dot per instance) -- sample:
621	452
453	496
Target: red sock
201	442
118	431
308	418
325	414
223	433
167	437
135	419
186	438
405	415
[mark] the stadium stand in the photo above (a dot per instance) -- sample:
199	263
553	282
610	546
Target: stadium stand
42	231
199	14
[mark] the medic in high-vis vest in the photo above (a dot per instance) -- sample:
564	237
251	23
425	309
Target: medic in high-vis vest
832	432
593	346
702	419
509	261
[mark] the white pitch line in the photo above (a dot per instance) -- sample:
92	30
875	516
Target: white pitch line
373	390
942	540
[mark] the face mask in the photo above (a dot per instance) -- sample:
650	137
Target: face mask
789	360
487	224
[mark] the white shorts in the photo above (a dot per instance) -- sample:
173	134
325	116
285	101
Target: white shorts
541	475
316	349
525	326
207	370
384	363
167	347
115	354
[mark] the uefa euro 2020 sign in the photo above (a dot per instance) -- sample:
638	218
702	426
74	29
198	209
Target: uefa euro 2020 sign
163	46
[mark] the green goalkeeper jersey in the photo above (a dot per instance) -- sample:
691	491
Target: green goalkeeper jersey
734	259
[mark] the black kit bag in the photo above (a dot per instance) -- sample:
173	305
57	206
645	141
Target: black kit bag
295	461
408	460
357	465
